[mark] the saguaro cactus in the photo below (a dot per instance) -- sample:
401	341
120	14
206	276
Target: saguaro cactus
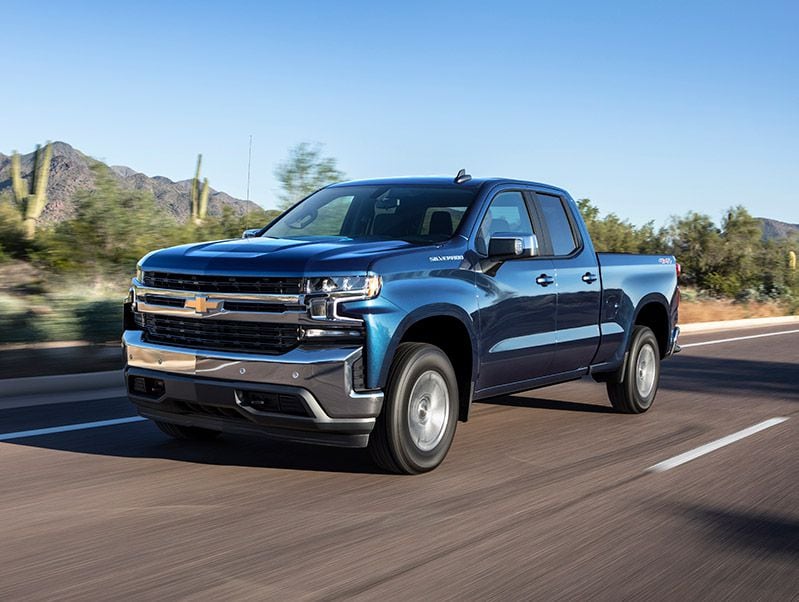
31	201
792	260
199	195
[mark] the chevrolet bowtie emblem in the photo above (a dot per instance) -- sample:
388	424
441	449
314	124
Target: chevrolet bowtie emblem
201	305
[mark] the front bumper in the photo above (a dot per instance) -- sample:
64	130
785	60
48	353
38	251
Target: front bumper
674	345
211	389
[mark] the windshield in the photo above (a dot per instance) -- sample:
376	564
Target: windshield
421	214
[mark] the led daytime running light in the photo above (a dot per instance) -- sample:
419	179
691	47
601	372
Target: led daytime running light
366	286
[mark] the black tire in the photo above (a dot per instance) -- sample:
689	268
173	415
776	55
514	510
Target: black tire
636	393
391	444
194	433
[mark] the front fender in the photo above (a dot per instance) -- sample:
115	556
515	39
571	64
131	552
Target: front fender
421	313
403	302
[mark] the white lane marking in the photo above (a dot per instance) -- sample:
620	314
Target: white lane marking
714	445
69	427
751	336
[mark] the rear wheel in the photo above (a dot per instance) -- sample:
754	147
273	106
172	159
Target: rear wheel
636	393
417	424
178	431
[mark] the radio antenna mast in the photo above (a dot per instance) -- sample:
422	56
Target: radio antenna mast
249	164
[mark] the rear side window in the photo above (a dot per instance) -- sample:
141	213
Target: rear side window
557	221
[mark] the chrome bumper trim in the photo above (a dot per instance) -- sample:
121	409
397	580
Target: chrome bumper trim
674	346
325	373
319	414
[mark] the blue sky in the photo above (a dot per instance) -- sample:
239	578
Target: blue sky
648	108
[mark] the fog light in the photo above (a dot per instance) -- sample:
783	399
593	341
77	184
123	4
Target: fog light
146	386
138	385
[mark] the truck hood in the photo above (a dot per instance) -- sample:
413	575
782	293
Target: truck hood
278	256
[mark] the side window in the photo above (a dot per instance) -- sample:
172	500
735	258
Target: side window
506	215
558	224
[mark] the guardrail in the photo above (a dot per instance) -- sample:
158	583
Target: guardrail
65	388
736	324
61	388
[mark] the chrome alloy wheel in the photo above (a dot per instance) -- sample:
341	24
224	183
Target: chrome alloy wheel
428	410
645	370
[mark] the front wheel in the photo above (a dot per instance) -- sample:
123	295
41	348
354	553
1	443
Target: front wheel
417	424
636	393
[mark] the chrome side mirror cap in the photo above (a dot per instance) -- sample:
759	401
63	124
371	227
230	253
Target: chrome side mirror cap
252	232
509	246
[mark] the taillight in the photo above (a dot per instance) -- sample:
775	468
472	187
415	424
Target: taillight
679	270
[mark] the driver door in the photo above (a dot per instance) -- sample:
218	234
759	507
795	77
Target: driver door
517	303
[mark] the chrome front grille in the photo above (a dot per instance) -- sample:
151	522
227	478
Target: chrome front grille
164	300
223	305
258	307
223	284
223	335
222	313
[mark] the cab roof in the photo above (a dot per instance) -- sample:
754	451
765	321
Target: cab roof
443	181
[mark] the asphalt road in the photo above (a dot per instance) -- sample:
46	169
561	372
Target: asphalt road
544	495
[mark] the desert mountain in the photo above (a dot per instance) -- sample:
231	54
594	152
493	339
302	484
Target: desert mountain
773	228
70	171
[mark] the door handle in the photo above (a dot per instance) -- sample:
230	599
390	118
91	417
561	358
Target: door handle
589	278
544	280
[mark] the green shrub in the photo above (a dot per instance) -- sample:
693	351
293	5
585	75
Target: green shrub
12	237
113	228
60	317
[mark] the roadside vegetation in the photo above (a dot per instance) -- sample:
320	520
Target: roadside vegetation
728	267
66	281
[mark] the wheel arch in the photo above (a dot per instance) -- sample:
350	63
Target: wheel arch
451	329
653	311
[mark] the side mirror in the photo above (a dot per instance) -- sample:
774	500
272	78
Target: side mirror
509	246
252	232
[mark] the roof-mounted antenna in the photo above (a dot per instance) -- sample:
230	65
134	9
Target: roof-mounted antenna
462	177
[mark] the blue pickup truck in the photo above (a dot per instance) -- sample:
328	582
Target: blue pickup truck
373	313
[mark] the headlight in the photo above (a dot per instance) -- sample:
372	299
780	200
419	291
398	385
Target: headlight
362	286
327	292
139	274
